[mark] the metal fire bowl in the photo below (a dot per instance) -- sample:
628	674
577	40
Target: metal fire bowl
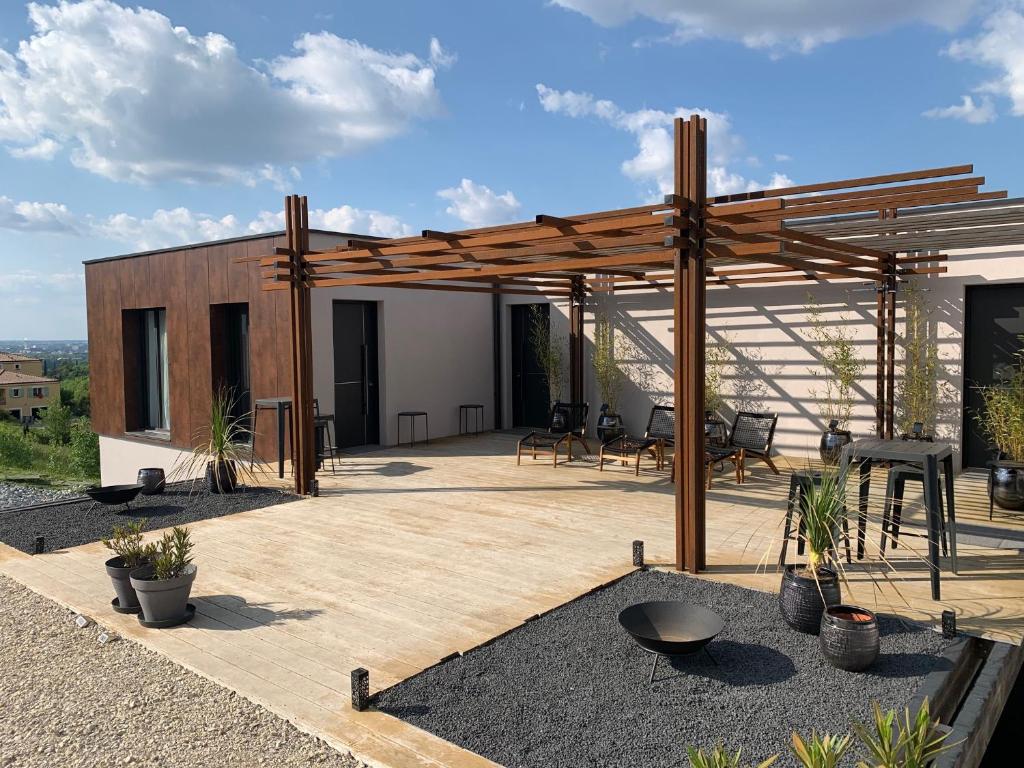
113	494
670	627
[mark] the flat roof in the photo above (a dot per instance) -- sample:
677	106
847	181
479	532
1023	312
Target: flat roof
224	241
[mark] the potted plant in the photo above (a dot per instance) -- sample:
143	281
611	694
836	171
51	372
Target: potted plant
716	357
849	637
838	357
917	388
221	449
130	553
610	379
808	589
549	350
1001	418
163	584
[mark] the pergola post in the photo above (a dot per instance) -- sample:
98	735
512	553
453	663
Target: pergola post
689	323
296	217
891	283
576	298
880	291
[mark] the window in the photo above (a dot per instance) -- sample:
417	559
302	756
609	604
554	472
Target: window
38	412
40	392
156	407
17	366
15	392
229	355
15	413
3	395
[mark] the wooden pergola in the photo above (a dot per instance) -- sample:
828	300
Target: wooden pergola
875	229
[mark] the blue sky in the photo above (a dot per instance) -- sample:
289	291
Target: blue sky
131	127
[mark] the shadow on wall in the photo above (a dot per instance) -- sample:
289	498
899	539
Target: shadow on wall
773	365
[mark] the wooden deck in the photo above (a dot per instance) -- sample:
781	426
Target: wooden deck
410	555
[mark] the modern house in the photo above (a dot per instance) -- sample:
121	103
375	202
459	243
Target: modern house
25	393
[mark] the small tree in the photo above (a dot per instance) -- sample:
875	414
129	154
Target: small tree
716	356
917	391
838	355
549	349
607	371
57	424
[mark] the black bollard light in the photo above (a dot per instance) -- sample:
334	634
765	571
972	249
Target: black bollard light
40	545
948	624
360	689
638	553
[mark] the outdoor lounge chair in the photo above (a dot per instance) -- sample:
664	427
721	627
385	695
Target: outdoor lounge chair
752	437
661	426
568	422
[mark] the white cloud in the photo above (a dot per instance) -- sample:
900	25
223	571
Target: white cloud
44	149
782	158
36	285
477	205
27	216
976	113
652	131
180	226
1001	47
439	57
133	97
782	25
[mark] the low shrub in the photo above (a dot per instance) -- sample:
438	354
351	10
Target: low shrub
84	450
16	450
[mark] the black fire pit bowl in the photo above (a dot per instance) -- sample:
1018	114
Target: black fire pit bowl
114	494
671	628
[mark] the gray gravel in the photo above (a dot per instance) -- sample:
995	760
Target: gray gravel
20	495
82	522
570	688
68	701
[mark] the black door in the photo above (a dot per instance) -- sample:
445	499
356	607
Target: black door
229	351
356	385
993	323
531	401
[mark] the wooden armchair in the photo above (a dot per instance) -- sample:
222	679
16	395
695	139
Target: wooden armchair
568	422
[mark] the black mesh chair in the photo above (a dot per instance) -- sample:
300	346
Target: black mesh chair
661	426
568	422
752	436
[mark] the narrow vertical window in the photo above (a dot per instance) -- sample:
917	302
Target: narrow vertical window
155	390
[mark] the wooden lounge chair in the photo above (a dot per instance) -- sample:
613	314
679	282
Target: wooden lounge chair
568	422
660	431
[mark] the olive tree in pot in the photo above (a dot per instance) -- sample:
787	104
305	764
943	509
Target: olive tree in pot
838	355
808	589
164	584
130	553
1002	419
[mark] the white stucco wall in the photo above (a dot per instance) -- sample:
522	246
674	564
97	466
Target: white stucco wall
121	459
435	352
776	368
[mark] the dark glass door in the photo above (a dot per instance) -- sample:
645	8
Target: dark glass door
531	401
993	323
356	384
229	353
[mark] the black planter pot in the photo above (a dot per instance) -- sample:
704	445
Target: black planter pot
221	476
1006	485
152	481
800	597
849	637
127	600
716	434
163	601
609	426
831	447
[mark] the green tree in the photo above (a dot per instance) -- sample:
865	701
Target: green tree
85	450
57	424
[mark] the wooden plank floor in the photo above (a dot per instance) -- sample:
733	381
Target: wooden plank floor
410	555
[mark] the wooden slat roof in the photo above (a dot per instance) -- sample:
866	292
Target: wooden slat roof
845	229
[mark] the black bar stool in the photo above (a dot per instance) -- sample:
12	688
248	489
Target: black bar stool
411	415
800	484
478	418
891	517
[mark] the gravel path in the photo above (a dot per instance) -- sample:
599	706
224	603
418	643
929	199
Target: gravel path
571	688
69	701
82	522
18	495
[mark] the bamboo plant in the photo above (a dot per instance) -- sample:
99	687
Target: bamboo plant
716	357
549	349
917	390
1001	417
838	354
607	372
